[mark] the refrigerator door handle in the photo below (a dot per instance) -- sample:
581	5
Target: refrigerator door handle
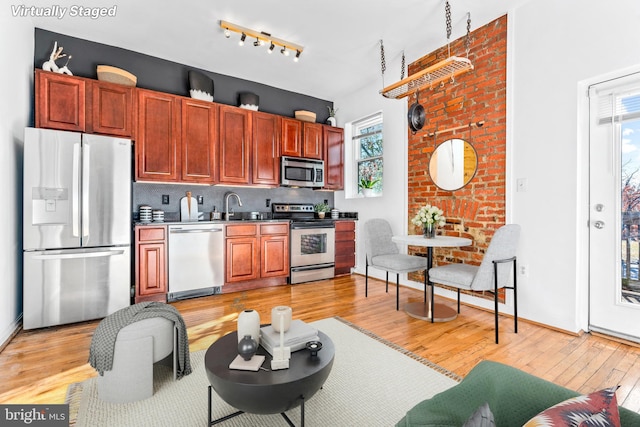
75	196
78	255
86	161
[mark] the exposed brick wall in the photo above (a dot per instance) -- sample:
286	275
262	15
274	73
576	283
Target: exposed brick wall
478	209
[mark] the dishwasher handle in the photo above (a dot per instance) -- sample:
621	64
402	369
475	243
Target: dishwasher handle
194	230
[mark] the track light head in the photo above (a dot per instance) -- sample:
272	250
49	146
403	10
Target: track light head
227	33
297	57
242	39
257	42
284	51
273	46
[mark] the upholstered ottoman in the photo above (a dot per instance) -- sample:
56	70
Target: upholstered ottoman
138	346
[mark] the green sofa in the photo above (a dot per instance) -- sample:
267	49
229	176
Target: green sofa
514	398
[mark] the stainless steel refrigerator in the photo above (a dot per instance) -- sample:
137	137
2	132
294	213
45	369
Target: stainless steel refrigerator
76	228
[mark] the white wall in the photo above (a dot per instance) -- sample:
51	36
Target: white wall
392	205
16	89
553	47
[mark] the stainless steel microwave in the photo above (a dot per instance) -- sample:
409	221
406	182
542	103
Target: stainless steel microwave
302	172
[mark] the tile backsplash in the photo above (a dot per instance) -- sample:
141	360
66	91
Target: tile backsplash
253	199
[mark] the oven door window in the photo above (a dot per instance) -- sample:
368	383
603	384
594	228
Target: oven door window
313	244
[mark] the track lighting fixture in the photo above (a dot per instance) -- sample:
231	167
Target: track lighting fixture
262	38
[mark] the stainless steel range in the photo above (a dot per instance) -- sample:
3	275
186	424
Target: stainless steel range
312	247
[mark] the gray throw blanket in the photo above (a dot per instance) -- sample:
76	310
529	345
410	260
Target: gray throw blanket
104	338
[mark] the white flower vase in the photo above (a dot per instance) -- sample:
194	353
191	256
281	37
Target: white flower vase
279	314
368	192
249	324
331	121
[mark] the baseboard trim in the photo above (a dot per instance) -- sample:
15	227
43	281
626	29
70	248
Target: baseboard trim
11	332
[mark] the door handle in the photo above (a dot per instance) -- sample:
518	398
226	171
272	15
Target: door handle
599	225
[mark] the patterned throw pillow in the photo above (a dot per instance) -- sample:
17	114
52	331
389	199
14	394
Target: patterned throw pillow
598	409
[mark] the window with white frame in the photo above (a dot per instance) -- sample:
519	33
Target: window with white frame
368	154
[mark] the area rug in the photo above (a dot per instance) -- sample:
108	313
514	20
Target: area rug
372	383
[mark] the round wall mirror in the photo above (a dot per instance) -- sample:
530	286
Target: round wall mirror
453	164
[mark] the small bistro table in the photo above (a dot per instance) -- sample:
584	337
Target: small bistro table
423	310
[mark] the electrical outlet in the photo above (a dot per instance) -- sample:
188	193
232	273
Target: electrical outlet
165	199
524	270
200	200
268	203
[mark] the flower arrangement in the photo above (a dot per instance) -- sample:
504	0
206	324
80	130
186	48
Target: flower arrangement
429	215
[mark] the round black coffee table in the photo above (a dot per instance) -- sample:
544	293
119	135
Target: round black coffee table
266	391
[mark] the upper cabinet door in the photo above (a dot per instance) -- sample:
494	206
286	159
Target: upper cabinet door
60	101
198	142
291	137
235	143
111	109
157	155
333	157
312	146
265	163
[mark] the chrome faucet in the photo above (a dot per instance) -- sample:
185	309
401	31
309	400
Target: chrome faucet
228	214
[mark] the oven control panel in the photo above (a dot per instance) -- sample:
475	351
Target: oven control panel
291	207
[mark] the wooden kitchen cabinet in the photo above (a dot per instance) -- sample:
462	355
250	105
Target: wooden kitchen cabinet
265	152
291	137
198	148
234	145
312	143
301	139
157	137
112	109
150	263
242	253
257	255
60	101
345	247
274	247
333	157
83	105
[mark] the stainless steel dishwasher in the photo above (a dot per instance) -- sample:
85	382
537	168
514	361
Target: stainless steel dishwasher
196	260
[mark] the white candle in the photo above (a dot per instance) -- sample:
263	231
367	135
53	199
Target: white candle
282	332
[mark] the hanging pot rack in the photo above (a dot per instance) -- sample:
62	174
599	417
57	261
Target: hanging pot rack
446	69
438	73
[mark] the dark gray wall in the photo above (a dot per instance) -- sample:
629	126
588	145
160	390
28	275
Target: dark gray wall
166	76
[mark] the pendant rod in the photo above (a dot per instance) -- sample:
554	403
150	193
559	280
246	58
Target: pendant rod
470	125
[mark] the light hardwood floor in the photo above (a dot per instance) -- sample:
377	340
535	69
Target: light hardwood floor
37	366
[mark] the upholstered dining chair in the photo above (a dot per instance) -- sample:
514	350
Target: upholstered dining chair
496	271
382	253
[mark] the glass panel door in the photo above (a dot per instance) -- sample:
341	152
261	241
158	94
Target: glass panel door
614	239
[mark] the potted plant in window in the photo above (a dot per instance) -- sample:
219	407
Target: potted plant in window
367	185
321	209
